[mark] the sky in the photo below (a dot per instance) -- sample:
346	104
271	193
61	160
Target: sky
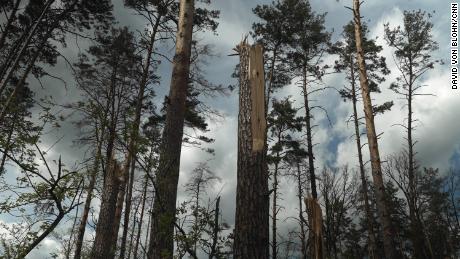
437	133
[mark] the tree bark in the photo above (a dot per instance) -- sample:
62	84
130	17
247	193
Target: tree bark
252	197
382	203
372	249
4	80
132	150
215	232
301	217
89	196
311	157
144	193
9	23
162	232
103	247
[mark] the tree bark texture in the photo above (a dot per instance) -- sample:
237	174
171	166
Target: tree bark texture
252	197
103	247
162	232
370	221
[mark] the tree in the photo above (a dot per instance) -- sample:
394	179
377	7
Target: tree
382	204
251	233
310	43
282	122
377	69
413	46
162	232
118	61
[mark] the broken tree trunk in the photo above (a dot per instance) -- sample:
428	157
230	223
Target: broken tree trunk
252	197
315	218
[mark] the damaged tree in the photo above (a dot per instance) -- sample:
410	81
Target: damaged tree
252	196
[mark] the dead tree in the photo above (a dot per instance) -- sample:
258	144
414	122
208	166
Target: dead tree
252	196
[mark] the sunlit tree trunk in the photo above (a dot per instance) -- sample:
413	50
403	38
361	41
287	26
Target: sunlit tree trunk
162	231
382	204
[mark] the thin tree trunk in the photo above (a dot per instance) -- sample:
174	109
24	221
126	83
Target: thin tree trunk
4	81
372	249
301	217
91	186
7	27
135	131
40	238
252	197
7	146
382	203
311	157
215	232
133	229
162	233
274	209
144	193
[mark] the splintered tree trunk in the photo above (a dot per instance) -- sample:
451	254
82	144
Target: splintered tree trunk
103	247
315	218
316	248
370	221
162	232
252	198
382	203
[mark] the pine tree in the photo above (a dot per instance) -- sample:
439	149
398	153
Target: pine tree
414	45
376	66
382	203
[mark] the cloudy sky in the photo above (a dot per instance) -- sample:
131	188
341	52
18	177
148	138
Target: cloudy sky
437	132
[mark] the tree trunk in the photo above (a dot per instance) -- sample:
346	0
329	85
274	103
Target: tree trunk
89	196
103	247
144	193
40	238
162	233
132	150
382	204
252	197
301	217
275	209
7	145
7	27
122	183
215	233
311	157
4	80
372	249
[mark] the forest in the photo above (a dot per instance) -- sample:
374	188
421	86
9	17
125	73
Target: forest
161	129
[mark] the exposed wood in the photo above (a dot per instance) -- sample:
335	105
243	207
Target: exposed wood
252	197
315	218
